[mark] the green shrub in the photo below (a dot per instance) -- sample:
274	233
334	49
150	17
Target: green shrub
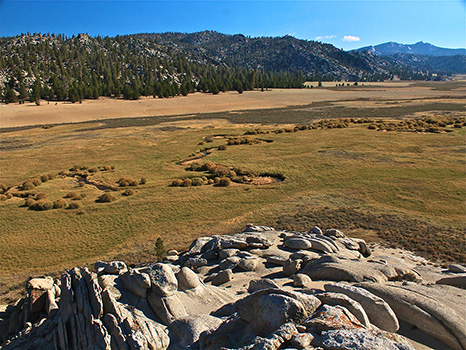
128	192
60	204
187	183
27	186
224	182
44	178
177	182
74	205
160	250
372	127
222	148
106	198
143	181
197	181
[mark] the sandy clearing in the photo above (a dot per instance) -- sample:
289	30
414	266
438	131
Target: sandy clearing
15	115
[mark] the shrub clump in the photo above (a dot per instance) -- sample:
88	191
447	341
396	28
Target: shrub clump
197	181
29	202
128	192
143	181
42	205
60	204
125	182
222	148
224	182
27	186
106	198
187	183
41	195
3	188
74	205
177	182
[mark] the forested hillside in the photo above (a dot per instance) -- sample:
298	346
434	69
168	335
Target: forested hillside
54	67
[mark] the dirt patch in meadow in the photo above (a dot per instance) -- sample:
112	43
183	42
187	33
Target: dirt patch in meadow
15	115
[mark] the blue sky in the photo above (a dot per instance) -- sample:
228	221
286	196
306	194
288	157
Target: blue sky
345	24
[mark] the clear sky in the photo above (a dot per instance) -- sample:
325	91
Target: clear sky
346	24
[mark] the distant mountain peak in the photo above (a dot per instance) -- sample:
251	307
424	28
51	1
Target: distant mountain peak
419	48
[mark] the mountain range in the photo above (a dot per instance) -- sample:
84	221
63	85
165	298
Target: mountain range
419	48
56	67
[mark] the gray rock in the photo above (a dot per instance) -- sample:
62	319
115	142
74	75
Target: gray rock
379	312
112	267
195	262
197	245
266	310
456	268
338	299
256	228
343	339
433	309
222	277
290	267
334	232
315	230
332	317
163	280
248	264
456	281
168	308
349	243
302	340
300	280
233	243
172	252
305	255
298	243
185	331
187	279
110	282
261	283
226	253
276	260
334	269
229	263
322	244
209	255
136	282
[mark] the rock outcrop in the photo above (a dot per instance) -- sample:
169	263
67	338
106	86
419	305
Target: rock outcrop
258	289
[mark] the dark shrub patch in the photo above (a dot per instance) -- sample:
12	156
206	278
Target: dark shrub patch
197	181
60	204
187	183
106	198
128	192
74	205
224	182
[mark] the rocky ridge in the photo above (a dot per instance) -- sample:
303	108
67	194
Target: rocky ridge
258	289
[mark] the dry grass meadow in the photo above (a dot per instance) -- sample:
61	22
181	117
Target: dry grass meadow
406	188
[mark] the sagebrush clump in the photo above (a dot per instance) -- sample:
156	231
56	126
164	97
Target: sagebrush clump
106	198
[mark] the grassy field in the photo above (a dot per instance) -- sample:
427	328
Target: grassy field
405	188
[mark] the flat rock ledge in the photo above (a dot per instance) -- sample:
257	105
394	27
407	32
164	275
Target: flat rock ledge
258	289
